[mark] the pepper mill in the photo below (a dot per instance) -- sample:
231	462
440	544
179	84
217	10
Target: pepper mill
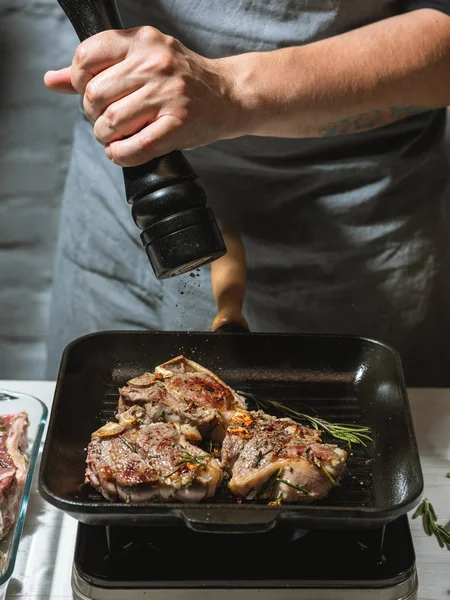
179	232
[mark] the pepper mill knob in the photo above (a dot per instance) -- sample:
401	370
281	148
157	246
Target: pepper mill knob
179	232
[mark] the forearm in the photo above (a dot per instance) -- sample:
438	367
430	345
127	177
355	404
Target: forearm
353	82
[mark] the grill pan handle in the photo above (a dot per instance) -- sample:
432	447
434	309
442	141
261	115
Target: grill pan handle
232	328
222	520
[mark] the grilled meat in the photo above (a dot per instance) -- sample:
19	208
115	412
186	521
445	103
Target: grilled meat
183	391
137	460
150	452
13	466
279	459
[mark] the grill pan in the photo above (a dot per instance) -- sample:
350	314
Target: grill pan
344	379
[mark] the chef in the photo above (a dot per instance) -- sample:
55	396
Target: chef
316	127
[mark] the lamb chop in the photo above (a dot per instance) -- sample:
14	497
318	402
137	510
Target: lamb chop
279	459
137	460
183	391
13	467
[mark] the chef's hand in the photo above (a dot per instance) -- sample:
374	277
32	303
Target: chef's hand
229	277
148	95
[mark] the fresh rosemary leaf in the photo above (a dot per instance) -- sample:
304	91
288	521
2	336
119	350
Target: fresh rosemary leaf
352	434
420	511
190	459
277	500
128	444
330	476
269	486
258	459
430	524
292	485
432	512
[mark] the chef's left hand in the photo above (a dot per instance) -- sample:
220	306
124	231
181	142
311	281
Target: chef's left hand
148	95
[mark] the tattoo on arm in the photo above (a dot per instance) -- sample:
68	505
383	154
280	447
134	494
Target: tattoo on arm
371	120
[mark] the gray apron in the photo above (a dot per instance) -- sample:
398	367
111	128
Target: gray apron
343	235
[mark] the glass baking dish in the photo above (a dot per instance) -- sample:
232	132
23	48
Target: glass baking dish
11	403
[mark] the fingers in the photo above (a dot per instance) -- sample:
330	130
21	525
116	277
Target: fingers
157	139
96	54
125	117
108	87
91	57
60	81
145	93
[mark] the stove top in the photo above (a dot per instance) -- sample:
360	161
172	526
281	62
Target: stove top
173	563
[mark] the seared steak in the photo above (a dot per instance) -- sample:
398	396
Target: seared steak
183	391
137	460
13	466
150	452
279	460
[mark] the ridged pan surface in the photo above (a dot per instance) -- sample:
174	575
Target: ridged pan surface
342	379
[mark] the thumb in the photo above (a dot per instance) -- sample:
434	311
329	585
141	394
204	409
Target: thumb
59	81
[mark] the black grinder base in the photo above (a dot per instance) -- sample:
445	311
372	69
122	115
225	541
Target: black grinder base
182	242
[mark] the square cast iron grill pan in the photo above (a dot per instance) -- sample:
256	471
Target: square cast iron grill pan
343	378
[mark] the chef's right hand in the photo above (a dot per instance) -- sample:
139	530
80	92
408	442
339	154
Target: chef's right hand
147	94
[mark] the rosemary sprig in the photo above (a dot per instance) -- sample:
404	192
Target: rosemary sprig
430	524
135	449
352	434
187	460
278	500
270	485
269	488
330	476
128	444
292	485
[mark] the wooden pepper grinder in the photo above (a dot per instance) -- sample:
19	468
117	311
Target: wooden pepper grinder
179	232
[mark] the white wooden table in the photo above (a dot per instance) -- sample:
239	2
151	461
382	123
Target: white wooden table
44	563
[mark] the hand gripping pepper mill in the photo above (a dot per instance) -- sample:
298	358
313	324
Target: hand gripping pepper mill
179	232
